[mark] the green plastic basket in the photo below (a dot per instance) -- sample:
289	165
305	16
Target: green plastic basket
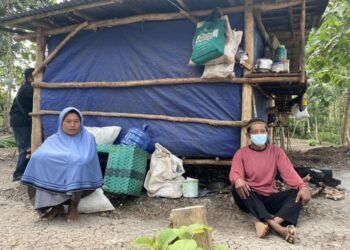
126	170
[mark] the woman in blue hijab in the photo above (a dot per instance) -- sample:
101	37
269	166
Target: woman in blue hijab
63	169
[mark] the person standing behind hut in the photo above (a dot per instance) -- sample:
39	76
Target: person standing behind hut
21	123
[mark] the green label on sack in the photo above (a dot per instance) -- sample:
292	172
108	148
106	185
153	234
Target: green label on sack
207	36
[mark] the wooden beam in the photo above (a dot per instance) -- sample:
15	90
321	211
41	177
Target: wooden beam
62	11
168	81
58	48
14	31
209	162
158	17
206	121
247	90
291	21
36	136
84	16
302	42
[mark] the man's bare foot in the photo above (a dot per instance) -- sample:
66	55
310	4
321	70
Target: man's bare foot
53	213
261	228
288	233
72	215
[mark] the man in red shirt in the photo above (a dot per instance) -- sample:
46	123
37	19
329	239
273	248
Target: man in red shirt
253	173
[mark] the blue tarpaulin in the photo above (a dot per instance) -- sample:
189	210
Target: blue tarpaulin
151	50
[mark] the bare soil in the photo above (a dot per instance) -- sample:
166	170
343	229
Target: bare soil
325	224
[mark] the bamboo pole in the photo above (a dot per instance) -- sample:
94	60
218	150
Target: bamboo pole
211	122
207	162
247	90
302	42
264	7
166	81
59	47
36	136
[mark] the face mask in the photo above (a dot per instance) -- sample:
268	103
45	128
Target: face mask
259	139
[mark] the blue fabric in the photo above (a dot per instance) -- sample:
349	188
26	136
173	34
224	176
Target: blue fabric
150	50
65	163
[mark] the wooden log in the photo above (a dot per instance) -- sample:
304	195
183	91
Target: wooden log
161	17
302	42
247	90
206	121
36	136
209	162
59	11
58	48
291	21
191	215
166	81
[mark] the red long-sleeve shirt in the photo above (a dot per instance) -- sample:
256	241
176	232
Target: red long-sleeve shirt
259	168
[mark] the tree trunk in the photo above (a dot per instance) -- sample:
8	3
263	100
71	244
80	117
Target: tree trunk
345	140
316	126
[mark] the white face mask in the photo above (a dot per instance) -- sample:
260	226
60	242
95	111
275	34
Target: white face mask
259	139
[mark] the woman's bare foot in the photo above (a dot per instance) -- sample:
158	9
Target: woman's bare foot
53	213
261	228
72	215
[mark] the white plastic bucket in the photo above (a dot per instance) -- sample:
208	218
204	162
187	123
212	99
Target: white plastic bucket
190	188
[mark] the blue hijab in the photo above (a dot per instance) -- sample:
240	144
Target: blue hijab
65	163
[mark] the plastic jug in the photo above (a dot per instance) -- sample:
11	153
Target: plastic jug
281	53
137	137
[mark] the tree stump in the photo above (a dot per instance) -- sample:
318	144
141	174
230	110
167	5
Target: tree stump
191	215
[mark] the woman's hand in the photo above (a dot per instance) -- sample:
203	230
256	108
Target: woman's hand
242	188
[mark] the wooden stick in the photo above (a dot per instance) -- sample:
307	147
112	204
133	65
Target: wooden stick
190	215
36	136
166	81
161	17
211	122
302	42
247	90
59	47
209	162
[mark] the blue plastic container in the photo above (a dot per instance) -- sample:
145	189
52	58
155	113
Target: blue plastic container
137	137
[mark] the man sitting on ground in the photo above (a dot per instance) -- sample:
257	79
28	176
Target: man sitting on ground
253	173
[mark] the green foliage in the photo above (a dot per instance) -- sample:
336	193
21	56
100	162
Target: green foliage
174	239
311	142
327	60
7	142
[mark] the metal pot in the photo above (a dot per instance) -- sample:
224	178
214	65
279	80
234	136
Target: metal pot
263	65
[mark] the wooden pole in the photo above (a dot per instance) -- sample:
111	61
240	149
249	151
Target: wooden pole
211	122
58	48
207	162
167	81
302	42
247	90
36	120
191	215
263	7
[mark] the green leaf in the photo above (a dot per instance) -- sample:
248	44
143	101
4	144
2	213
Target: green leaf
220	247
166	237
184	244
199	228
143	242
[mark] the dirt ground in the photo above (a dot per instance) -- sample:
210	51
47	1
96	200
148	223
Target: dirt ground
325	224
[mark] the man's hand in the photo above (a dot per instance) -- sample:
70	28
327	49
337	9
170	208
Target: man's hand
242	188
304	195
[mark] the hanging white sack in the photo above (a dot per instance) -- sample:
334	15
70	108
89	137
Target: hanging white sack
228	56
300	115
224	70
164	178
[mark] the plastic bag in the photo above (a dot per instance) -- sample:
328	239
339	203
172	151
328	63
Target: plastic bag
209	40
104	135
164	177
300	115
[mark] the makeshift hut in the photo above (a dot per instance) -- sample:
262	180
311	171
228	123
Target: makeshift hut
126	63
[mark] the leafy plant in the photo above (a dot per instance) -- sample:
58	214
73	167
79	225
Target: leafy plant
175	239
7	142
312	142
